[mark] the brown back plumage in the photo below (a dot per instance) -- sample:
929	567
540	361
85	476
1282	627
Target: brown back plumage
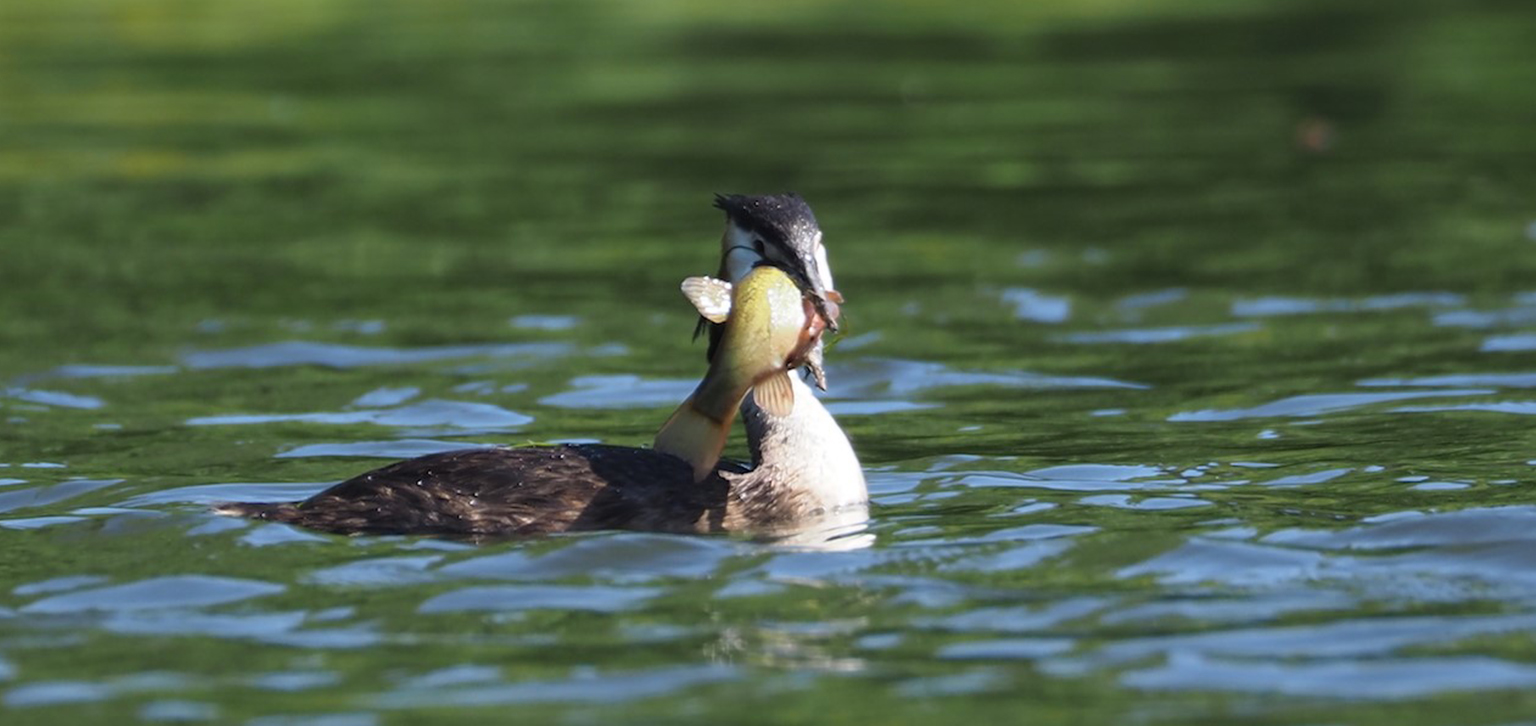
513	492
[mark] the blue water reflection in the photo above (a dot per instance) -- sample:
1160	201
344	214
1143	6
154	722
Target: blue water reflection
1186	348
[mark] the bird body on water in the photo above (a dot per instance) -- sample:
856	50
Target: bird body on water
804	472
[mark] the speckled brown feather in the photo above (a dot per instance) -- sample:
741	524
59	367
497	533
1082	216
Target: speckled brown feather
486	493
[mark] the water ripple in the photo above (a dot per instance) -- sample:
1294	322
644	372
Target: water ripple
1038	307
386	396
1314	405
1074	477
1274	306
1483	319
1010	649
14	499
53	398
1015	620
1460	380
1523	408
429	413
583	686
1125	501
1478	525
178	711
50	693
177	591
336	355
1509	343
378	572
386	449
1202	560
1354	638
874	377
1394	679
233	492
510	598
1142	301
1316	477
58	584
1142	336
623	391
1250	608
625	557
545	322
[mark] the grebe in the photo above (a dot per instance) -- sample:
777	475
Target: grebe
781	229
804	472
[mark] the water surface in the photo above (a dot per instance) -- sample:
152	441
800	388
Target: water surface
1189	356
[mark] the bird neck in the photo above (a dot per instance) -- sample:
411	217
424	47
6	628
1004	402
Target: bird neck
804	456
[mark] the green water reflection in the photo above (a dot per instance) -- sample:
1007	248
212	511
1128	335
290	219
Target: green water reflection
1142	239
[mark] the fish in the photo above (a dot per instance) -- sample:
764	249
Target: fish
712	298
781	230
769	329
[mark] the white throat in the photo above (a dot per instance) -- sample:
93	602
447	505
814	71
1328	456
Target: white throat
740	253
805	455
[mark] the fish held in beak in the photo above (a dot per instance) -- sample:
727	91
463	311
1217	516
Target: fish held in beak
767	330
778	230
712	299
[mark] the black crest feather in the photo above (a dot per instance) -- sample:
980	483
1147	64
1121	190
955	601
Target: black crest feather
780	216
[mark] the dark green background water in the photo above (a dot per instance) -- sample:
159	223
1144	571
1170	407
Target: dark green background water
1190	352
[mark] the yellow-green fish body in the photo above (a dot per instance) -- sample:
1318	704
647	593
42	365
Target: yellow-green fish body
767	332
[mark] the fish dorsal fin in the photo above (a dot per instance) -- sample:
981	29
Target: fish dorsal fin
711	297
774	394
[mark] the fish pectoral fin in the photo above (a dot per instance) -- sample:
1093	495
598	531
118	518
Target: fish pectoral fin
694	437
774	394
711	297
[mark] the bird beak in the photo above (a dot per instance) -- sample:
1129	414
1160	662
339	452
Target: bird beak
803	256
805	259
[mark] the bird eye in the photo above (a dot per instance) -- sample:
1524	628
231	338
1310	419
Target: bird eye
757	244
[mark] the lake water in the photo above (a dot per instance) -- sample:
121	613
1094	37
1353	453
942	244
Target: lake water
1190	352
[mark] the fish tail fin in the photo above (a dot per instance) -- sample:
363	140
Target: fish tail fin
695	437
